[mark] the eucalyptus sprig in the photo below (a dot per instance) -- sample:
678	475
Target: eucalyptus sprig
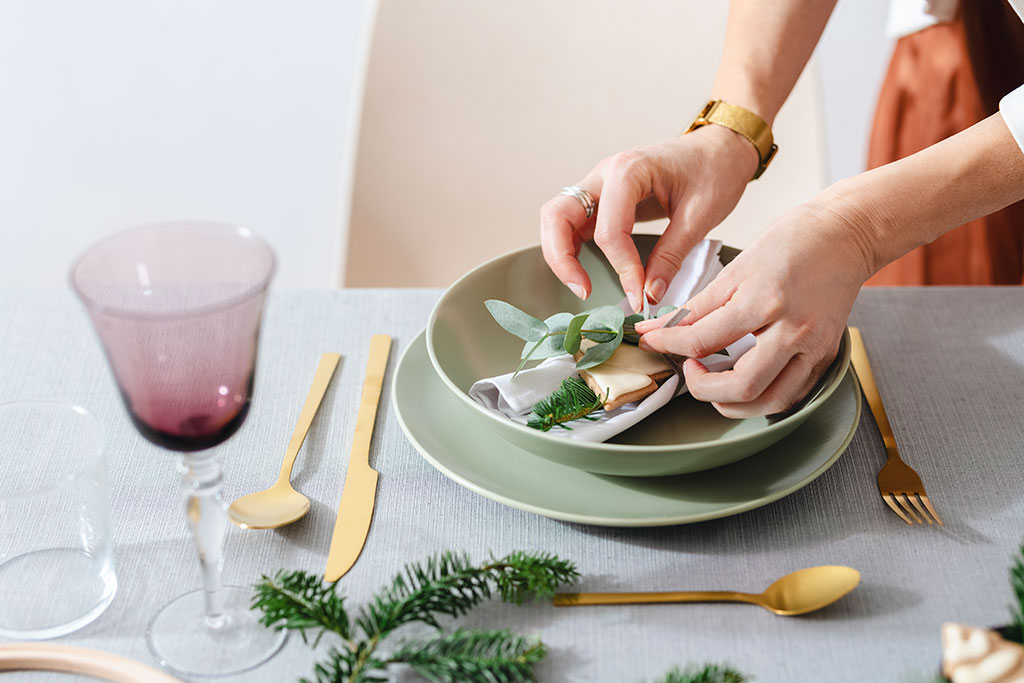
606	326
447	584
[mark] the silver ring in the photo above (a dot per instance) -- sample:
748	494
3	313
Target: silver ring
582	196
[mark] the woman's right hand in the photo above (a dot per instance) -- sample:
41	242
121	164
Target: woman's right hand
793	288
694	180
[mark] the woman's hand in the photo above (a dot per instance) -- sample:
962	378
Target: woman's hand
694	180
793	288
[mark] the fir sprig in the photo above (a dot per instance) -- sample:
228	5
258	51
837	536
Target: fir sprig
445	584
1017	584
708	673
571	401
476	655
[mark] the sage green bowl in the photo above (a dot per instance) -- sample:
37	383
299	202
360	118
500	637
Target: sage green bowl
465	344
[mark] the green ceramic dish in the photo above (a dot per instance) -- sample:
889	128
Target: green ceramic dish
465	344
442	429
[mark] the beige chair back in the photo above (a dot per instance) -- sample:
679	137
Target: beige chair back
475	112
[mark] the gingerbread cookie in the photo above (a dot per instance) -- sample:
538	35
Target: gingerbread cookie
629	375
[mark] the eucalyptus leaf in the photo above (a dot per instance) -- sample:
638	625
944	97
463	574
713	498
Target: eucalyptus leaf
631	337
519	323
601	337
606	317
599	353
633	319
572	340
551	345
663	310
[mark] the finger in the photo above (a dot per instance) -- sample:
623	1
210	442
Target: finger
560	246
792	384
564	226
748	379
710	334
654	323
625	185
667	256
718	292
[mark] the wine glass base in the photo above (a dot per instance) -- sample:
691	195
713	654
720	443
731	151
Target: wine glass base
183	643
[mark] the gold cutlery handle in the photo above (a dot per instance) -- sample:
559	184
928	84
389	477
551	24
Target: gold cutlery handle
324	372
859	358
576	599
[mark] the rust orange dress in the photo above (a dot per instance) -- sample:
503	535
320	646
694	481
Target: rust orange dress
930	93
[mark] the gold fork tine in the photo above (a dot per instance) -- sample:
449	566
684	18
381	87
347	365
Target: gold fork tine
902	498
896	508
920	508
898	483
928	504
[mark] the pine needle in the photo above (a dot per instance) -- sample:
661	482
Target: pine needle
571	401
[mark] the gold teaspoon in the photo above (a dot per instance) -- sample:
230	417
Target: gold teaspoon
800	592
281	504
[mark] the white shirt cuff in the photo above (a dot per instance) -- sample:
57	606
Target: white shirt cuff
1012	109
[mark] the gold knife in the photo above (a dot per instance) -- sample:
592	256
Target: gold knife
356	507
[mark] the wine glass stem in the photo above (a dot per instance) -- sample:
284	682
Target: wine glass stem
207	518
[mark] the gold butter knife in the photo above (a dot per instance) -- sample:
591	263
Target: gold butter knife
356	507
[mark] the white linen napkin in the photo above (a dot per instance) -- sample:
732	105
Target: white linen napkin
515	398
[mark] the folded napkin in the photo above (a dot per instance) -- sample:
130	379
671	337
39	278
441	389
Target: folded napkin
515	398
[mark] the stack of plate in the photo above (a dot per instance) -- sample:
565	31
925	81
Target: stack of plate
686	463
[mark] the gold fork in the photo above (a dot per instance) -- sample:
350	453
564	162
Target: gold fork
898	483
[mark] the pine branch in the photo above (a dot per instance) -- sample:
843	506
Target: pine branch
519	574
708	673
470	656
446	584
571	401
1017	584
349	666
300	601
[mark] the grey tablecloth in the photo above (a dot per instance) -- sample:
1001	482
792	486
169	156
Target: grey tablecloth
950	363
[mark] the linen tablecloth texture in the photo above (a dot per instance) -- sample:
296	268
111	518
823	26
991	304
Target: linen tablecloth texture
955	403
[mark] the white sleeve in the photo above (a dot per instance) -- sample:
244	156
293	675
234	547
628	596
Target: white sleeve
1012	109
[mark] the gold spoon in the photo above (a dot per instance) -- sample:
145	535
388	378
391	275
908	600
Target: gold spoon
801	592
281	504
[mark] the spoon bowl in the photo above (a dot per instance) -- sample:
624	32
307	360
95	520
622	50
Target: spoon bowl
807	590
799	592
281	504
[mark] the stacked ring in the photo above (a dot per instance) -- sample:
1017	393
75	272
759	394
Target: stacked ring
582	196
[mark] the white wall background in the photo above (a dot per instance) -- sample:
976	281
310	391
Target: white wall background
118	112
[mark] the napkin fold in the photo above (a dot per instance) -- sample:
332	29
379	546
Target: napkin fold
515	398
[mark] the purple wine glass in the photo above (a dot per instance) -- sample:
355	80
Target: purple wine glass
177	307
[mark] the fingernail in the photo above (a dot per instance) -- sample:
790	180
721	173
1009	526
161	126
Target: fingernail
634	301
643	345
656	290
577	290
640	325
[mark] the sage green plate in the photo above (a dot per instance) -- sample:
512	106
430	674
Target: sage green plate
463	447
465	344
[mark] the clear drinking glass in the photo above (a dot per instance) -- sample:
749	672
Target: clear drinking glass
56	551
177	307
